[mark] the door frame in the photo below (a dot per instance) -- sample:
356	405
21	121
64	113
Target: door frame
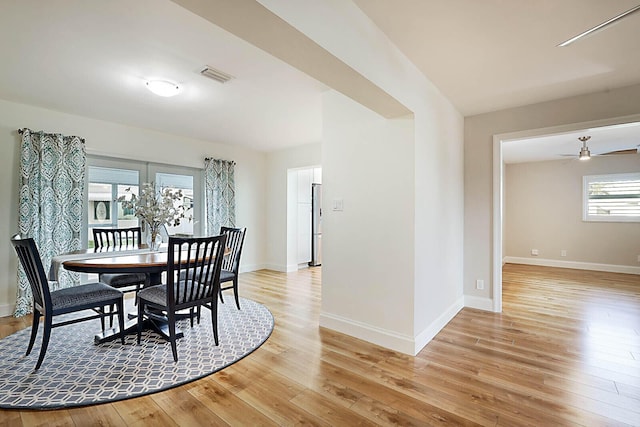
498	188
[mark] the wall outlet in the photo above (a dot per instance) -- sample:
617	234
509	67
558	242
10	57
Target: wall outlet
534	252
479	284
563	252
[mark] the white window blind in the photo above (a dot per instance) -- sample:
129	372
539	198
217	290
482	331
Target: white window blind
613	198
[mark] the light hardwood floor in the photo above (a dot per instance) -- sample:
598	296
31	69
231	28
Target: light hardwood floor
565	351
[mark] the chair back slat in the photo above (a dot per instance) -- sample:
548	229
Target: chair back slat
32	265
235	241
199	260
117	237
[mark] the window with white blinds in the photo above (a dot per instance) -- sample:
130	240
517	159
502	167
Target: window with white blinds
612	198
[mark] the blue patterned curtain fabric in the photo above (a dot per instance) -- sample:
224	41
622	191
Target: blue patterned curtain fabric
220	195
52	168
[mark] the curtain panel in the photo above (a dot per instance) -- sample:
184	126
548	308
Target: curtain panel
51	199
220	195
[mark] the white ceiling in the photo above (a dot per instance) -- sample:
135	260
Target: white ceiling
92	57
494	54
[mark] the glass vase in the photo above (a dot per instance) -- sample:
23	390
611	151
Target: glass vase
154	239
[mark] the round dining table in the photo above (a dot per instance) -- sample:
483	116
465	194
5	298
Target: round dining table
131	260
145	261
151	263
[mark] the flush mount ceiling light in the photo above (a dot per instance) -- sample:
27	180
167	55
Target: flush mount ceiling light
163	87
585	154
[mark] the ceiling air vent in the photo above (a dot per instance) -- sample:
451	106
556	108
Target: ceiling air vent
216	75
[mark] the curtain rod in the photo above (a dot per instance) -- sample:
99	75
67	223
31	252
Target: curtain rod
21	131
211	158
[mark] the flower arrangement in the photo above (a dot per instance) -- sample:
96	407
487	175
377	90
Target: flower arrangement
155	209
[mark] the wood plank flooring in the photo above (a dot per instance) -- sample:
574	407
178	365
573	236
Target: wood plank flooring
565	351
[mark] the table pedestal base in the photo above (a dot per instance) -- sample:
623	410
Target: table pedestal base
131	328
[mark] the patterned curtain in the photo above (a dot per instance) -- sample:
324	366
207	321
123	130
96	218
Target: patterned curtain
52	168
219	195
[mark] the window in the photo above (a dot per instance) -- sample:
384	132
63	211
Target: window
108	178
105	186
184	183
612	198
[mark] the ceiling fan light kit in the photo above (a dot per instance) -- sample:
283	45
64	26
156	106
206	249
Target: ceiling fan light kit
585	154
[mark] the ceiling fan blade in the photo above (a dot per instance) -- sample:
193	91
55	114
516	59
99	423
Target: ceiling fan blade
601	26
628	151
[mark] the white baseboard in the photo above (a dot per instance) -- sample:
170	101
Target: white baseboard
481	303
611	268
275	267
423	338
388	339
7	310
369	333
252	267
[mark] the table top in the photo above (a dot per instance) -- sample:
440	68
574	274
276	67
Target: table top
119	260
144	261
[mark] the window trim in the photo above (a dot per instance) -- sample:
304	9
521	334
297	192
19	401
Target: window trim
612	177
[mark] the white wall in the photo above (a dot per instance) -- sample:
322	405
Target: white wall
478	164
278	164
543	210
126	142
433	293
367	266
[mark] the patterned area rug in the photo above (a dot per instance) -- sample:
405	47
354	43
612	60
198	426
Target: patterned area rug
75	372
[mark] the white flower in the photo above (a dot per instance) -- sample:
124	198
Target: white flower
155	208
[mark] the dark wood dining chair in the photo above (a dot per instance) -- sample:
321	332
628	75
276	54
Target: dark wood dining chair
119	239
47	303
231	262
193	281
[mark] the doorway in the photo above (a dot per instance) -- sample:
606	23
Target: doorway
499	142
300	236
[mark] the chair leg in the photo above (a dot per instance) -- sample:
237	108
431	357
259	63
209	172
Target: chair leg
112	308
214	319
220	292
121	319
235	291
191	316
135	300
172	334
34	330
140	319
48	320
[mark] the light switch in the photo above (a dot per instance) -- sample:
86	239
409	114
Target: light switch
338	205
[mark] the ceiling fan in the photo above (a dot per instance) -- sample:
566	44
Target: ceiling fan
585	153
601	26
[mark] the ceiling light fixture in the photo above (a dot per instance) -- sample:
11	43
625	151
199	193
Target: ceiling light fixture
163	87
585	154
600	26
